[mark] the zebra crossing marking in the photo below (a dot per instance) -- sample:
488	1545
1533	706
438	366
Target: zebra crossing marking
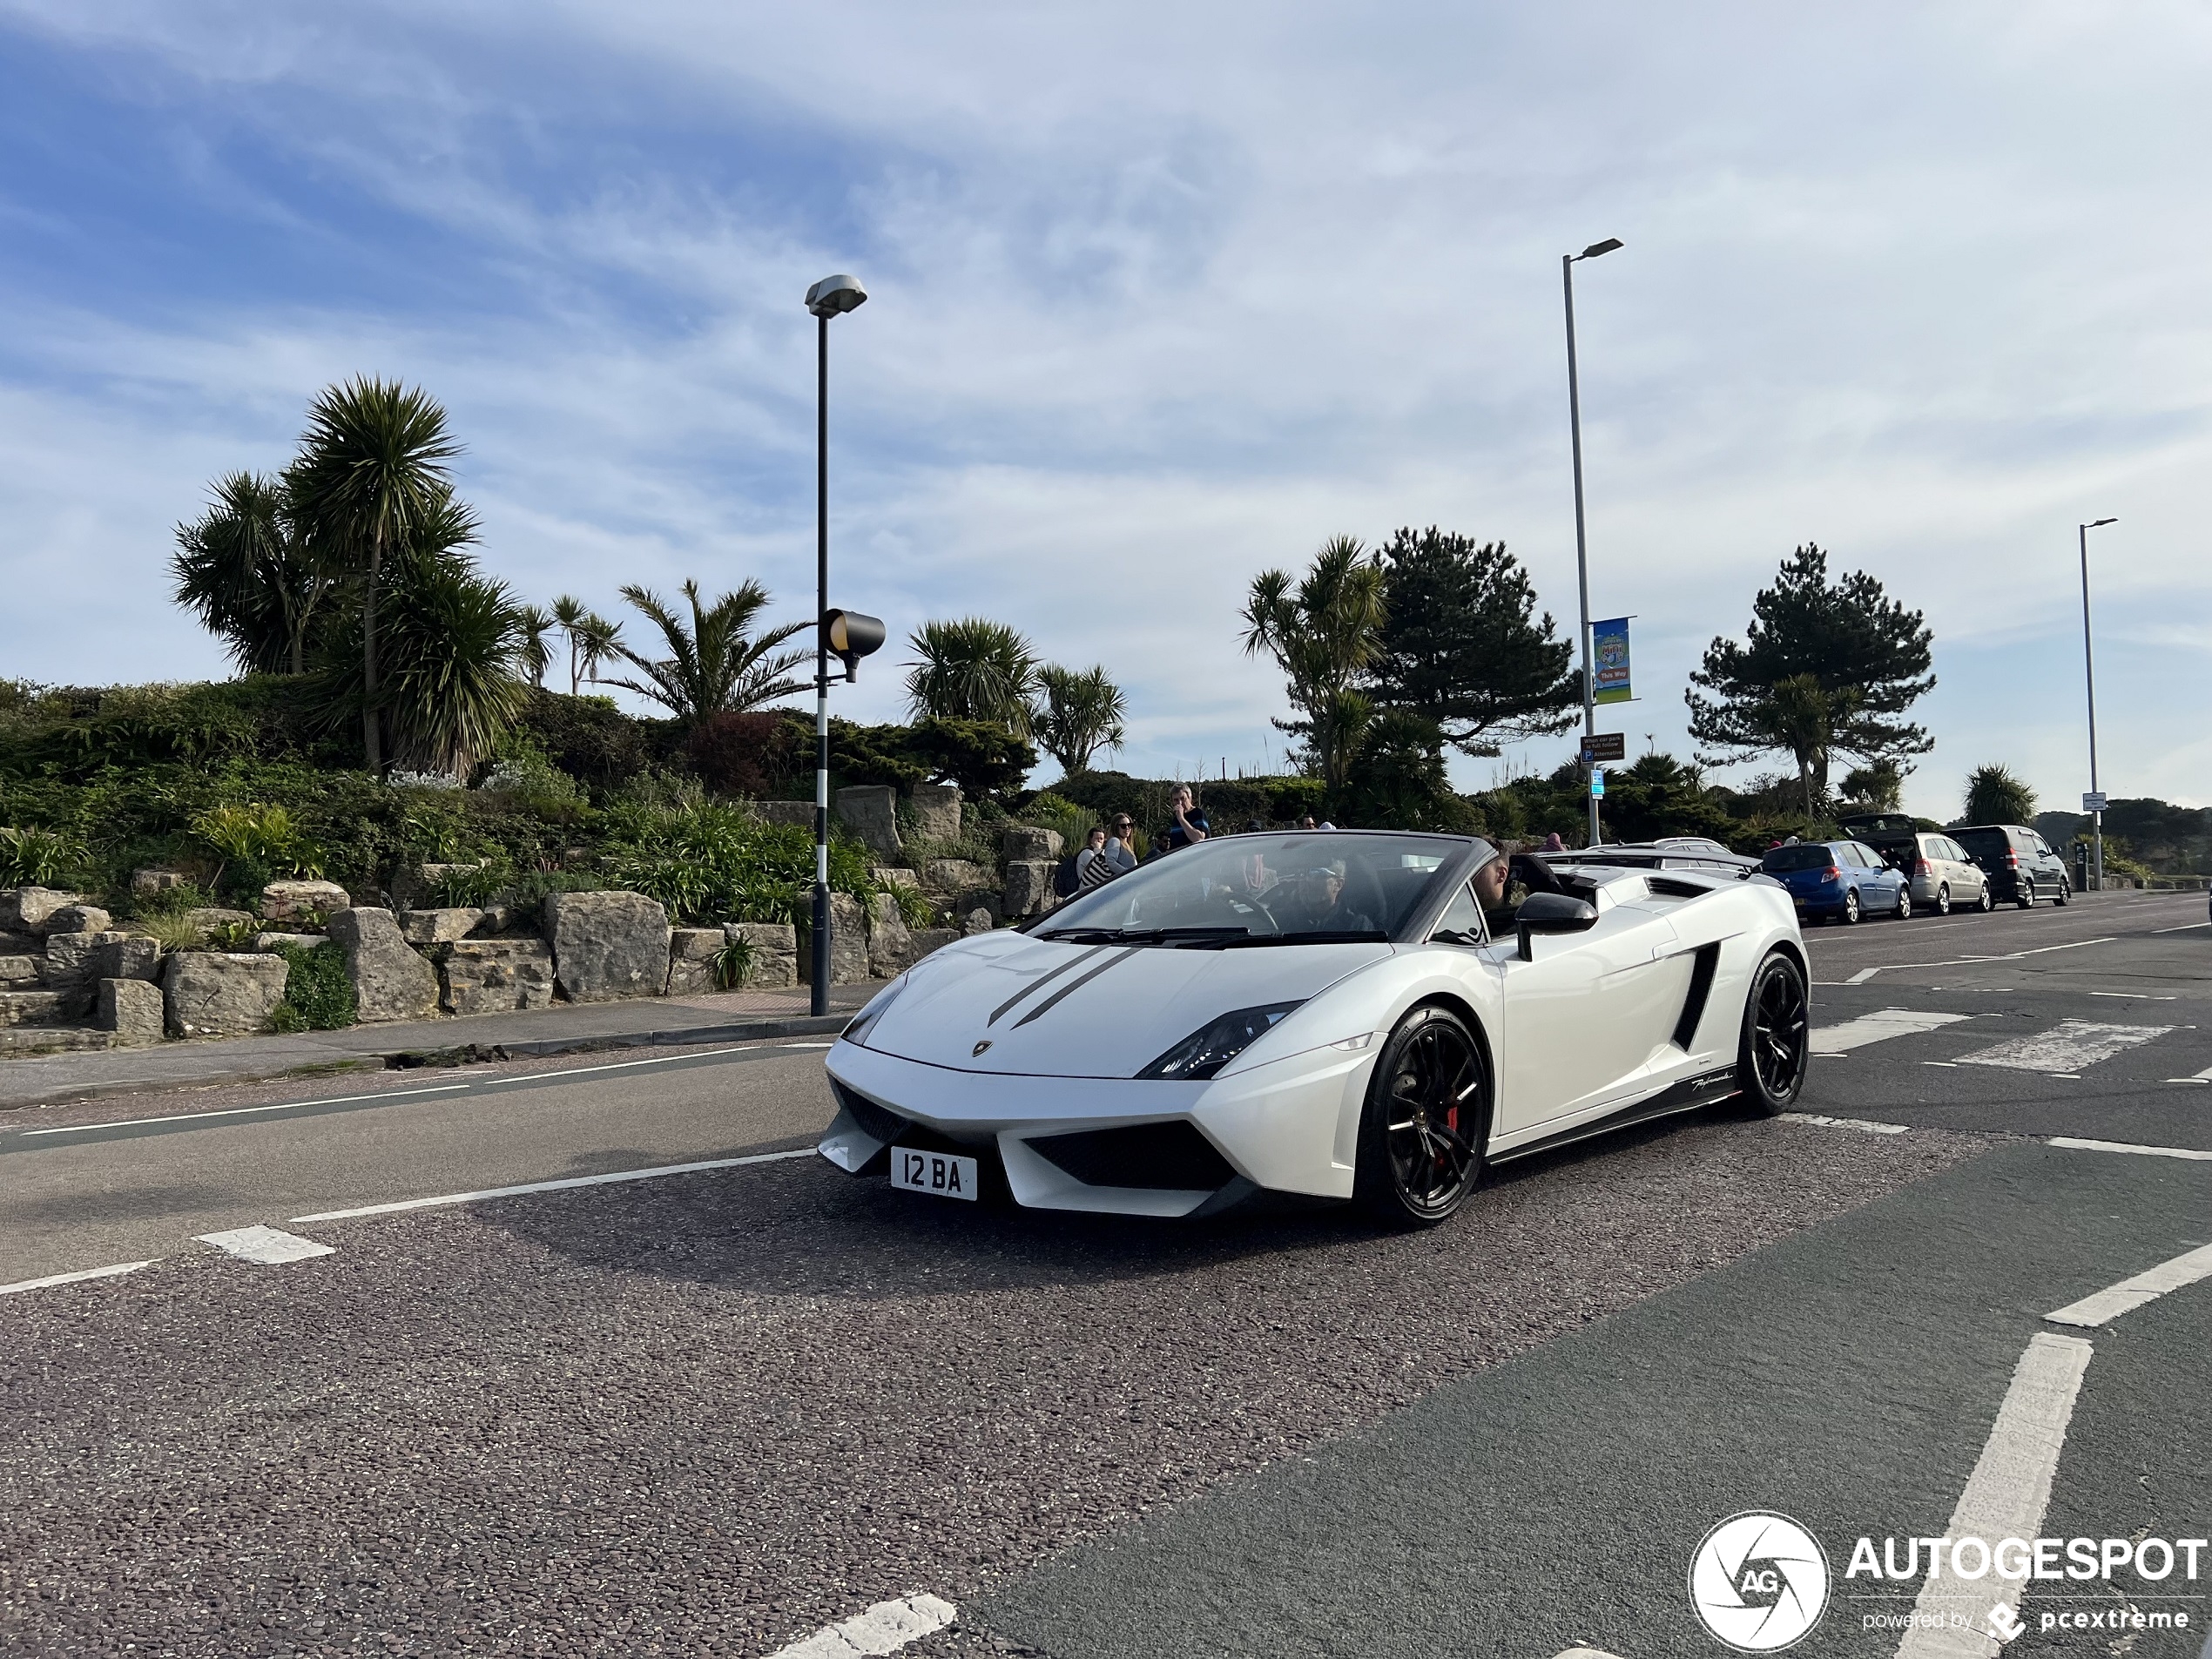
2066	1050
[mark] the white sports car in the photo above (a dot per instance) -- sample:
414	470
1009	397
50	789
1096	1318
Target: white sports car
1322	1012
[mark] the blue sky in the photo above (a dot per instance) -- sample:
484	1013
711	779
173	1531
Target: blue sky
1161	296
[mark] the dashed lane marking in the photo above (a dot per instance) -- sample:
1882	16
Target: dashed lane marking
241	1111
1862	976
2131	1293
2066	1049
2204	1076
2136	996
2183	928
116	1272
1869	1125
1879	1027
2073	1144
1967	962
553	1186
265	1245
884	1628
2004	1497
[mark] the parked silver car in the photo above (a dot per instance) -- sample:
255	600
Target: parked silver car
1944	878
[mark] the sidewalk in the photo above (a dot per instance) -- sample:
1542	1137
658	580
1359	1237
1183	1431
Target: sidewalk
725	1016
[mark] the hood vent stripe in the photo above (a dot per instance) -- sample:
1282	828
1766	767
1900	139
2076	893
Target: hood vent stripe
1074	985
1043	980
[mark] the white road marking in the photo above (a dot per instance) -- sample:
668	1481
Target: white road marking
552	1186
1867	1124
1862	976
2131	1293
1966	962
2070	1046
1948	1065
265	1245
116	1272
885	1628
2204	1076
2004	1497
2136	996
2073	1143
654	1060
2183	928
240	1111
1879	1027
1586	1653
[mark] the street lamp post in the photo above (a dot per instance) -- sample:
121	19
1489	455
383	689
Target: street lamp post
832	297
1566	262
2089	670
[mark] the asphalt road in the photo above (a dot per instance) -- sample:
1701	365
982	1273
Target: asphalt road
714	1411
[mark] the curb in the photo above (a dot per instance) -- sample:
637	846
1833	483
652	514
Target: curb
463	1053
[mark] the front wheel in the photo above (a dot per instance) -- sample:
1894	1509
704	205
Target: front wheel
1904	904
2025	897
1776	1047
1425	1123
1943	902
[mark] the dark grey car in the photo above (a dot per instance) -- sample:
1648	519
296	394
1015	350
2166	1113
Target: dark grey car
2019	863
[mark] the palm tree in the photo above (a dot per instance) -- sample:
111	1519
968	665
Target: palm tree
1998	795
714	664
1797	715
1322	634
536	623
456	653
973	670
596	639
245	571
1078	715
370	475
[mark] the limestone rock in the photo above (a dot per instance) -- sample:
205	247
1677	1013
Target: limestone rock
131	1008
272	940
31	1008
19	972
497	976
801	813
439	926
1026	842
24	910
930	939
936	808
77	919
607	945
409	886
891	943
19	944
390	981
896	875
127	956
283	900
207	918
775	953
151	884
977	920
690	960
73	968
987	899
1028	885
220	993
848	944
871	811
953	875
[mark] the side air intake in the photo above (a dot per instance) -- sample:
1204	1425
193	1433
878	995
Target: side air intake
1701	987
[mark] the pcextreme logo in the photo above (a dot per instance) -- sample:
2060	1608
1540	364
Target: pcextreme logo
1759	1582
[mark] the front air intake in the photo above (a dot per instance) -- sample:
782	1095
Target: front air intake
1171	1157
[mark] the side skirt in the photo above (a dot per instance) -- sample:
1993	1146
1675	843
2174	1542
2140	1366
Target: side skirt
1684	1096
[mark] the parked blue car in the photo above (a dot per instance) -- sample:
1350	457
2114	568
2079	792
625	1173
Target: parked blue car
1839	880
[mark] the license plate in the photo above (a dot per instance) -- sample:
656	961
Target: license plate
943	1174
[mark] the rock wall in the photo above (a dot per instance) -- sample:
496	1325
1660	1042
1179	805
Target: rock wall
607	945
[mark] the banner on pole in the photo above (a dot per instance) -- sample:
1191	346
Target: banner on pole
1609	661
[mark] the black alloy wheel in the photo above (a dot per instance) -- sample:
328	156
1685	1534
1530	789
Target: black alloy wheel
1426	1122
1777	1048
1943	902
1850	917
2025	896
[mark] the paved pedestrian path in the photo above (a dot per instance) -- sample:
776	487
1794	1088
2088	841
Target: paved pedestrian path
715	1017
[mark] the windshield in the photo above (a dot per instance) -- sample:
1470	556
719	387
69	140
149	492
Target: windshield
1983	843
1816	857
1303	887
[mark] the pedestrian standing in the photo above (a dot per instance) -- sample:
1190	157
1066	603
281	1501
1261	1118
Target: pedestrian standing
1120	851
1191	824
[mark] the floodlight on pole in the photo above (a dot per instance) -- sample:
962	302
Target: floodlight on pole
2089	672
832	297
1566	262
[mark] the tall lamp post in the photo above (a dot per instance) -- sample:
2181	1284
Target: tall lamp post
832	297
1566	263
2089	668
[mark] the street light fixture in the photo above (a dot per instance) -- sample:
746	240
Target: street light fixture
832	297
2089	668
1566	262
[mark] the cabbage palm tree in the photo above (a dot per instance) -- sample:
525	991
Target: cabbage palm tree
371	475
1323	634
1076	716
245	571
715	662
595	638
537	624
973	670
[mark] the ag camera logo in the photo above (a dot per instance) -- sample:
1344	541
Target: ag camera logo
1759	1582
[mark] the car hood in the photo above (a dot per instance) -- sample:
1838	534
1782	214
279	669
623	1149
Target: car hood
1049	1009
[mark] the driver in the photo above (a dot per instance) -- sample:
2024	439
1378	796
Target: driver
1318	905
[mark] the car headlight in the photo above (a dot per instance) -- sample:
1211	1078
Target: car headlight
1213	1045
857	1028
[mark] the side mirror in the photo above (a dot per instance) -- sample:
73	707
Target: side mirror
1551	913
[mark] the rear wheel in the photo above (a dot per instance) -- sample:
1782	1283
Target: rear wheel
2025	898
2064	892
1850	917
1987	902
1777	1048
1943	902
1426	1122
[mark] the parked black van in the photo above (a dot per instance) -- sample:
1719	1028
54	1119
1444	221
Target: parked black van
2019	863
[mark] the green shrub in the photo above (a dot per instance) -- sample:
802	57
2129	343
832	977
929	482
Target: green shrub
317	994
733	964
40	858
1048	810
470	885
712	863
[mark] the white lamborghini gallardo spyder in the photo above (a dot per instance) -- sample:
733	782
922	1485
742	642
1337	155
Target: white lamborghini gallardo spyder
1323	1013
